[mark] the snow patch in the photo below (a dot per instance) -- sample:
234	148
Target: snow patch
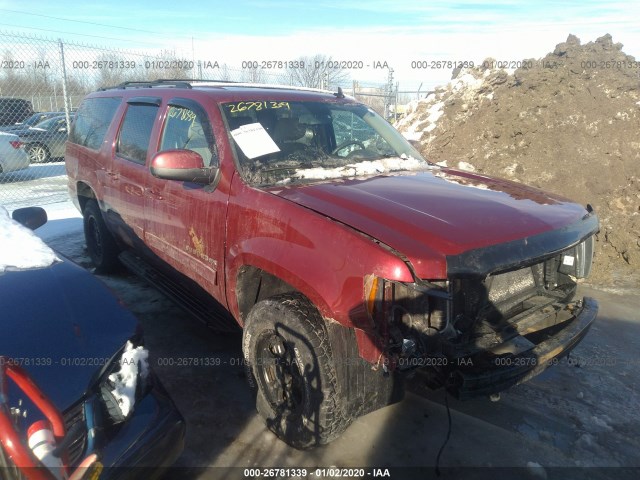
20	248
371	167
466	166
126	379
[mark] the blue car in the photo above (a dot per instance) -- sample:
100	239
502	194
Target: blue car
32	121
76	389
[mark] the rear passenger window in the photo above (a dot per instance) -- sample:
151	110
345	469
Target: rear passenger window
133	141
189	129
92	121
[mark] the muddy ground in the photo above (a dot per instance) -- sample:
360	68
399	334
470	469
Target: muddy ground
576	420
568	123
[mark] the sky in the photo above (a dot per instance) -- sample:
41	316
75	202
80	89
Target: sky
364	32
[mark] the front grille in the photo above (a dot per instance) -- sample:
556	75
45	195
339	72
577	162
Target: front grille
73	417
511	284
495	298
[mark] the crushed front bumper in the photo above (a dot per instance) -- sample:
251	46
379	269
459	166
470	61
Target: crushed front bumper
465	383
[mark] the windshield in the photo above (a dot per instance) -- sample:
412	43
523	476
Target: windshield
50	123
32	120
278	142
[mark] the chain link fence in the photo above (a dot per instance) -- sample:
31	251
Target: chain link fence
43	81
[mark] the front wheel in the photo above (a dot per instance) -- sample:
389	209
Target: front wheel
286	346
101	246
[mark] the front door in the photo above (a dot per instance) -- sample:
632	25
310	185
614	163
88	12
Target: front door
185	222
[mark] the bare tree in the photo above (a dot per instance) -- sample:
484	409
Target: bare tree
10	77
252	75
318	71
224	73
111	70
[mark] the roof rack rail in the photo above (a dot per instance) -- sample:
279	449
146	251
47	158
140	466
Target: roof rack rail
161	82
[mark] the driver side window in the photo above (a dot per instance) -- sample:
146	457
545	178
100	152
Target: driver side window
187	129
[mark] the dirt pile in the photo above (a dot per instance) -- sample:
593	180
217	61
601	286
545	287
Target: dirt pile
567	123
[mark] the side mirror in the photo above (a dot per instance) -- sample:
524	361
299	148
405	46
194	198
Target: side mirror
181	165
30	217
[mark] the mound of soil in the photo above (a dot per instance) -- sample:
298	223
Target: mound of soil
568	123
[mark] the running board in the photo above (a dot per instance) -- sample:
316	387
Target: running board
186	293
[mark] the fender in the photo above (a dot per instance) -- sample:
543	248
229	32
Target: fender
306	250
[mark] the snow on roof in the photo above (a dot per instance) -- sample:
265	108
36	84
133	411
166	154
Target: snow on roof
20	248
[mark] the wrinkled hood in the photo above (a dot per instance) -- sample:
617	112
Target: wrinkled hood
65	314
431	215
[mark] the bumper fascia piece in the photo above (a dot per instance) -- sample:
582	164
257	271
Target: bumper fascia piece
469	384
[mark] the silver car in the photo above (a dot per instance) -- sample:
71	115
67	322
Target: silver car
13	155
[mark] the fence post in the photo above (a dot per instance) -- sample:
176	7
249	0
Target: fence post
395	108
67	108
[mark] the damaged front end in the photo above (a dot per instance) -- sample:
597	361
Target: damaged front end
480	334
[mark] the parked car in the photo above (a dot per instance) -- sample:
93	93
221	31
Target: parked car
14	110
76	388
13	155
32	121
46	140
347	258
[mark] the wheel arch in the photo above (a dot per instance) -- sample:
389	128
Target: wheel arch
257	281
85	193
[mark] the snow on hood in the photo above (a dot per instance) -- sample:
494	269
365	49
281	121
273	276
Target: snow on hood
359	169
20	248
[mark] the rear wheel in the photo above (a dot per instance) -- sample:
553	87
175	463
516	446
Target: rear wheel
38	153
286	346
101	246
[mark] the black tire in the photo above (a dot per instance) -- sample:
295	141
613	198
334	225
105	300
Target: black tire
38	153
101	246
287	350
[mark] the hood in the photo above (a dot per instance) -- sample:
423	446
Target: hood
65	314
431	215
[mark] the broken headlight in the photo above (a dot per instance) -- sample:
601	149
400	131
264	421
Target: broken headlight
408	311
577	261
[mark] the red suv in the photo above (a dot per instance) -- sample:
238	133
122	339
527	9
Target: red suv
348	259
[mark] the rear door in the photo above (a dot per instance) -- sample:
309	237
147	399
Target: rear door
127	174
185	222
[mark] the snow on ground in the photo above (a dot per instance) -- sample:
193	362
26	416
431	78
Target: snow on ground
423	115
40	184
63	220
